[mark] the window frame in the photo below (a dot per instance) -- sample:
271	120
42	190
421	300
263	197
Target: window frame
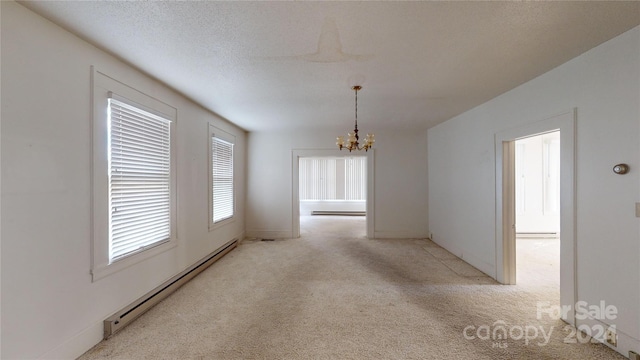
103	88
215	132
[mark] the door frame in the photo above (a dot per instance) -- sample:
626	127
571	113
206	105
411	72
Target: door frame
296	154
505	202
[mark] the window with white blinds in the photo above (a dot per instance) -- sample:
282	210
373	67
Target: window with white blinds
133	175
221	177
322	179
139	179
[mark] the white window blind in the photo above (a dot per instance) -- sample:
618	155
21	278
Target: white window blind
355	181
327	179
222	179
318	179
139	179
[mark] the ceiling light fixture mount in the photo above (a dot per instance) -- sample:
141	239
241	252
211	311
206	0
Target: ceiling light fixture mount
352	137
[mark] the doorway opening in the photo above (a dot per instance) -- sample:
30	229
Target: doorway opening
333	195
537	194
505	192
356	192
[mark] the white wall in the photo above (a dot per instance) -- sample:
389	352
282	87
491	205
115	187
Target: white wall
400	180
50	307
604	85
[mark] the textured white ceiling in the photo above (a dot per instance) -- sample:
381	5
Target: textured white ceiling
272	65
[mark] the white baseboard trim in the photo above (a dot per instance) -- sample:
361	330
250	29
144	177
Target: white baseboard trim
241	236
399	235
489	269
269	234
79	344
626	343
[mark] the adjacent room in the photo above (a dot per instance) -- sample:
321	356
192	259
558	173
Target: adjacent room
537	184
313	179
333	195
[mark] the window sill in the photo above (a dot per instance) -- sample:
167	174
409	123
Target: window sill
214	226
103	271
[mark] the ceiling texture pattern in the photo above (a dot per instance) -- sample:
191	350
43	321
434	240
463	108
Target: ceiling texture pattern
276	65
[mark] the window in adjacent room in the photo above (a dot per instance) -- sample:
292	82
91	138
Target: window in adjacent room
221	187
332	185
333	178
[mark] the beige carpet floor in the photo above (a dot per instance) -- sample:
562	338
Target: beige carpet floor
332	294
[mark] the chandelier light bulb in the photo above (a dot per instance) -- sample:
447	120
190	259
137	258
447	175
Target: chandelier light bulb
369	140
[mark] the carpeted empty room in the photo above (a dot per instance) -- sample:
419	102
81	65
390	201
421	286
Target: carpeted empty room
333	294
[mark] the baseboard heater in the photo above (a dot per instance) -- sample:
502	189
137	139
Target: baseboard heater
341	213
524	235
132	311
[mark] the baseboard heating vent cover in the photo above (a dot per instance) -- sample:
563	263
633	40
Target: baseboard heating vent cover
132	311
340	213
524	235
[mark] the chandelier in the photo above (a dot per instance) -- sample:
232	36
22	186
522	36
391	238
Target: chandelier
352	137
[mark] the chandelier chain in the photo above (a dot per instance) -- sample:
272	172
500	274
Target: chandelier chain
356	107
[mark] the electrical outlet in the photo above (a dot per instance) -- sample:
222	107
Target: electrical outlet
611	337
